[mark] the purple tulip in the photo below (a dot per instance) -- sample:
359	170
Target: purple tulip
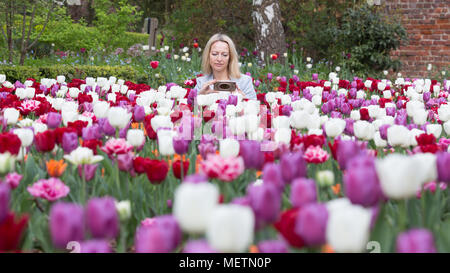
106	127
311	224
242	201
352	93
315	76
286	110
162	236
91	132
273	246
273	175
139	113
325	108
88	170
416	241
192	96
269	76
383	131
295	78
361	184
346	109
293	166
336	114
66	223
426	96
123	131
346	150
102	217
349	127
5	193
198	246
443	167
18	84
232	100
53	120
195	178
95	246
125	162
265	201
257	83
180	145
69	142
303	191
250	151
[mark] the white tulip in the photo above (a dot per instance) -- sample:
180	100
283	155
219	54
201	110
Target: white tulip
123	89
161	122
334	127
123	209
299	119
258	135
194	204
230	110
412	136
101	109
286	99
83	155
316	100
270	97
26	122
69	116
11	115
231	227
26	136
229	147
355	115
90	81
444	112
435	129
2	78
281	122
348	228
420	117
379	142
413	106
135	137
325	178
381	86
447	127
283	135
398	135
374	111
363	130
118	117
73	92
237	125
400	175
165	142
7	163
360	94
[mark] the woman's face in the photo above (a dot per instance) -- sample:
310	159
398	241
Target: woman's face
219	56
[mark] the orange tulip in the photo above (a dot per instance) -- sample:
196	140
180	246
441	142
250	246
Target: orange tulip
56	168
253	249
336	189
327	249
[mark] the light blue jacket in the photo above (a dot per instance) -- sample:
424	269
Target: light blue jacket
244	83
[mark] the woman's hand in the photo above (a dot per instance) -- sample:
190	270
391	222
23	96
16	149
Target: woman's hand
206	89
239	91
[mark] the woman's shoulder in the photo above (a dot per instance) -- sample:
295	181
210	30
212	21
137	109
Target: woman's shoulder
245	78
204	78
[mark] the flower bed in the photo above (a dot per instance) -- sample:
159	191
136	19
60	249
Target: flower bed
323	165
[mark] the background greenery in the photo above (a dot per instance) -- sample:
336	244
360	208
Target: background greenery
345	33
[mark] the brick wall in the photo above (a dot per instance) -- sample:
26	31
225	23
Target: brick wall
427	23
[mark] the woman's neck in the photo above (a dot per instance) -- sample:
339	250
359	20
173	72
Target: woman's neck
221	76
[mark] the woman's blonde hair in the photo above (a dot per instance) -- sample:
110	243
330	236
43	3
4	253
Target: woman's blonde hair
233	66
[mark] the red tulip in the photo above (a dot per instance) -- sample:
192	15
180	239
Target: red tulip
10	142
148	126
11	230
157	171
286	226
154	64
45	141
141	164
176	168
196	45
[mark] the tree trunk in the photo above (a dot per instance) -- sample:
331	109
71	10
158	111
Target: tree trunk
270	38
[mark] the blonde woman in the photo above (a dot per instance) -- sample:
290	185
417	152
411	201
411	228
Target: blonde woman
220	63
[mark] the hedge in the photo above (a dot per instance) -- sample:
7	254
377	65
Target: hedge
21	73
